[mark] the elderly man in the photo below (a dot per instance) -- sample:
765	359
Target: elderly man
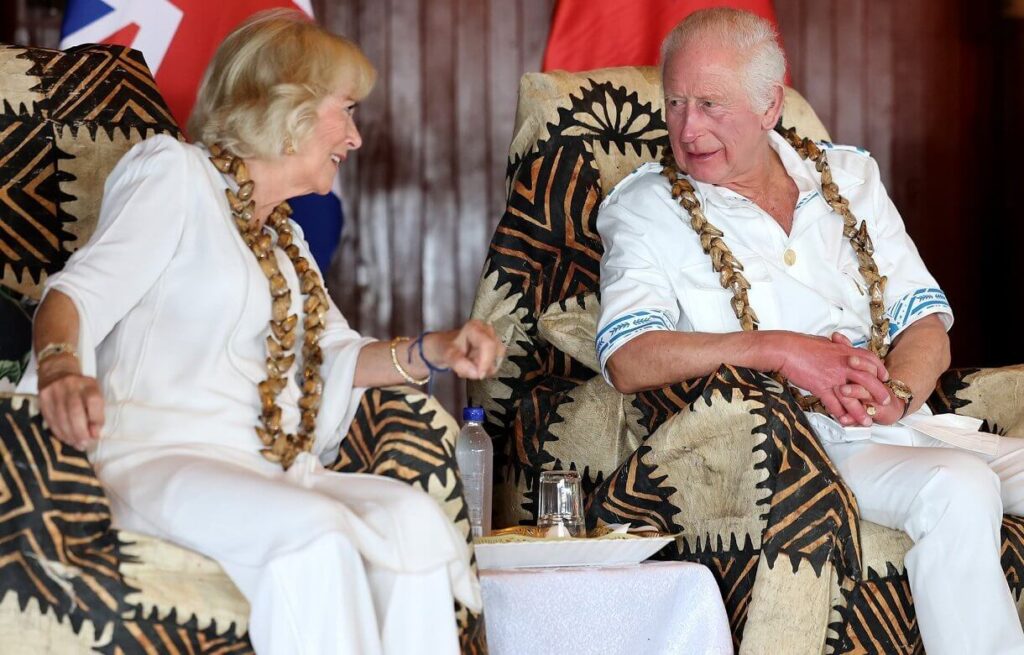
747	247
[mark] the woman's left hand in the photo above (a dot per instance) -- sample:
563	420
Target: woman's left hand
472	351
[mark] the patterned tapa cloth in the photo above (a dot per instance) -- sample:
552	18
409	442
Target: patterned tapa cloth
728	461
69	583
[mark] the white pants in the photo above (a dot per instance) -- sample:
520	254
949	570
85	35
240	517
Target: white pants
951	502
322	598
332	564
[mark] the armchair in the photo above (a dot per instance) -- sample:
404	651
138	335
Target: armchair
69	581
728	461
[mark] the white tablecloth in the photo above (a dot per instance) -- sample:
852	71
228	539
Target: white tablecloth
655	607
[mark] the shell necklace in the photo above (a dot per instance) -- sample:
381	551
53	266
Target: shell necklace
729	268
279	446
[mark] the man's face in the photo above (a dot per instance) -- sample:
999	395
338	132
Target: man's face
714	132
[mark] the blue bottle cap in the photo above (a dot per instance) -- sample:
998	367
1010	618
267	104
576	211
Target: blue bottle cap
475	414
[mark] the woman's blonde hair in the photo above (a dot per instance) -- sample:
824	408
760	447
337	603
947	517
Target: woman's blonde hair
266	81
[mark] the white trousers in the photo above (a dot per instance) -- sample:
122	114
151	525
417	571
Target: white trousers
332	564
951	502
322	598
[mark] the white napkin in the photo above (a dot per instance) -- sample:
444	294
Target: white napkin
953	429
961	431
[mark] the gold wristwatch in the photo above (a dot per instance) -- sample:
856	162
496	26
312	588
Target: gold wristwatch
901	391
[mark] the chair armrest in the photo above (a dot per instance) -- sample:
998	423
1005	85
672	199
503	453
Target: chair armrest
57	543
399	432
732	456
995	395
402	433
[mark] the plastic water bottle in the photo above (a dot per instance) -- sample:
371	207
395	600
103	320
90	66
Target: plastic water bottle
475	455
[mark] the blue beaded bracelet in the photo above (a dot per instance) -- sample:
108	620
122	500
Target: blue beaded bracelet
418	344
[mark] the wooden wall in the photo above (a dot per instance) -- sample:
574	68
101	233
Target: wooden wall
932	87
914	81
31	22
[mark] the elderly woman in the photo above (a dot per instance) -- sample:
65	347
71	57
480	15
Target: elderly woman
752	247
196	314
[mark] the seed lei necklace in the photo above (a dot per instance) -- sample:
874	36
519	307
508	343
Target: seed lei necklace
279	446
730	269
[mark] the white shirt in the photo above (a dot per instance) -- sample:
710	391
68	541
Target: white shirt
654	275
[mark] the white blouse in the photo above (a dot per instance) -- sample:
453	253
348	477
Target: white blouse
174	311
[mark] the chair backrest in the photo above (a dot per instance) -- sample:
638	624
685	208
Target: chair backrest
611	108
576	136
66	118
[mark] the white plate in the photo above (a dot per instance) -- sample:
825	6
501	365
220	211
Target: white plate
568	552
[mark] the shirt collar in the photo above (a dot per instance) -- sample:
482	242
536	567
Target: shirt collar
803	172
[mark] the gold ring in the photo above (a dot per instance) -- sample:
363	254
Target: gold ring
870	409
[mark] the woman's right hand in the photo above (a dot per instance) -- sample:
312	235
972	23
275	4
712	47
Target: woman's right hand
71	403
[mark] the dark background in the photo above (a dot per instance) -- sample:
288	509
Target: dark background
933	88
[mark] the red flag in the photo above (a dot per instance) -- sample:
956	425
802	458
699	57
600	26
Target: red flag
587	34
177	37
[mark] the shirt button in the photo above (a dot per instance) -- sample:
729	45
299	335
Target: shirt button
789	257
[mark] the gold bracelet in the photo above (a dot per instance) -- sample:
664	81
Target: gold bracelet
54	349
398	367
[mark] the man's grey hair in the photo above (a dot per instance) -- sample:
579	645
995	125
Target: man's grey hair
752	36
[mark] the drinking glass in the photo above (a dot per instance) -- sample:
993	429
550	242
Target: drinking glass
560	502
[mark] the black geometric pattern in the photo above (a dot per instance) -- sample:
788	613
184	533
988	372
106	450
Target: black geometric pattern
57	548
53	517
734	567
31	230
612	117
79	93
877	616
810	512
945	398
634	494
106	87
149	633
1012	555
524	256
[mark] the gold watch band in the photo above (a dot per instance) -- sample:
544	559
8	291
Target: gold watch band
901	390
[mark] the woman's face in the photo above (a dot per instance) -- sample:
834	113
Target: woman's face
316	160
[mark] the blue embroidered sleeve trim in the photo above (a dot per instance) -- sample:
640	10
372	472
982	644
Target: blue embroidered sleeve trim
627	326
914	305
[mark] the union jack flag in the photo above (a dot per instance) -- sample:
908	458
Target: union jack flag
178	38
